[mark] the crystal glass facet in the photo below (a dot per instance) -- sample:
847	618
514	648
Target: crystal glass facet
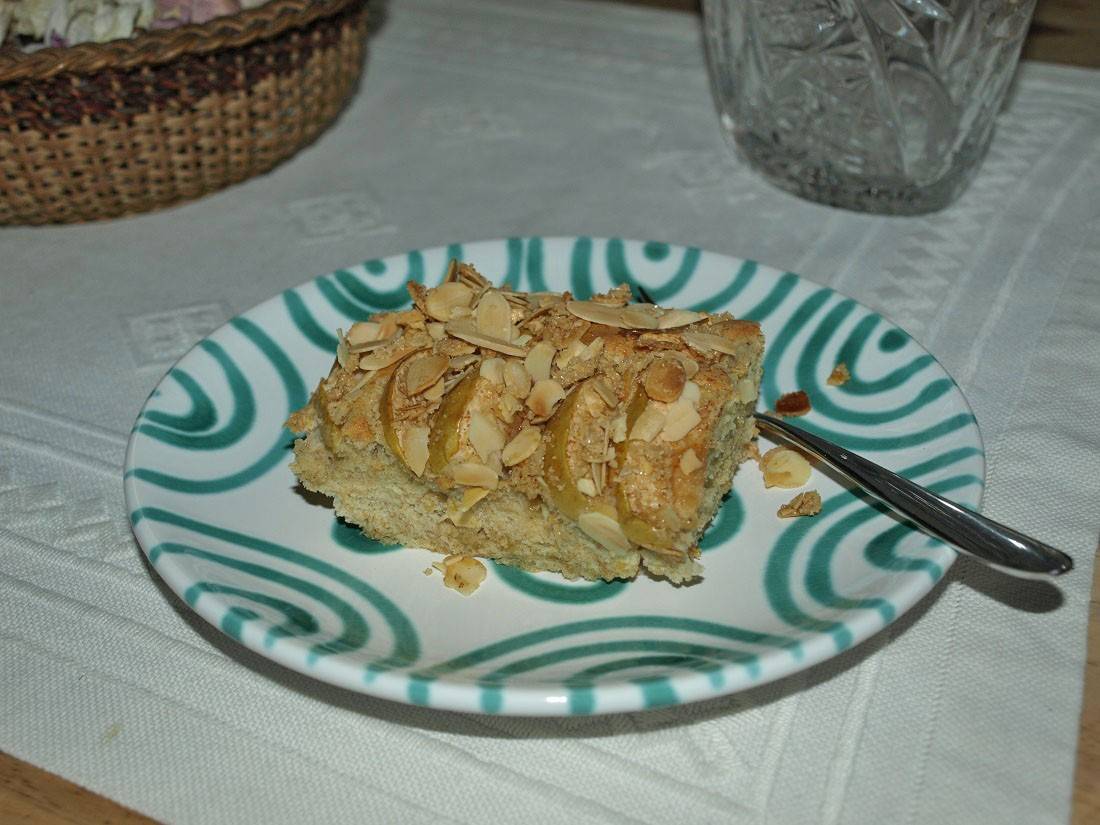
876	105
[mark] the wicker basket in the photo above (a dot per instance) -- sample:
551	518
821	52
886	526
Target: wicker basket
102	130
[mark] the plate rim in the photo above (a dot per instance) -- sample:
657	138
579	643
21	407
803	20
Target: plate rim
454	693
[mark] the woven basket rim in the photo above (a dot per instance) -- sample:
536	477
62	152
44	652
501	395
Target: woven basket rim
148	48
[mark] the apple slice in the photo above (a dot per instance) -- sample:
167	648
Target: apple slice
445	437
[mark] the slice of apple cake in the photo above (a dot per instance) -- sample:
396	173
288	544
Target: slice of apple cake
583	437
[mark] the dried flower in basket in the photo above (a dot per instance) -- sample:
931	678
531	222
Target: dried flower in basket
35	24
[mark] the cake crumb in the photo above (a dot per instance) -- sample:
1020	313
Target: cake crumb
839	375
792	404
804	504
463	573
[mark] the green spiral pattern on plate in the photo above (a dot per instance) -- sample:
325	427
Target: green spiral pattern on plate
405	650
300	601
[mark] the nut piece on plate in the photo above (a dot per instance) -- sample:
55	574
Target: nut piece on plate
592	438
840	375
792	404
784	467
463	573
804	504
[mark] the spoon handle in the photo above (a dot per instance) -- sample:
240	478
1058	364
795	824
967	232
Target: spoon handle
968	531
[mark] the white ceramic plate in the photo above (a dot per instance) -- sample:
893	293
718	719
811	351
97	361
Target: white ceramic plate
214	505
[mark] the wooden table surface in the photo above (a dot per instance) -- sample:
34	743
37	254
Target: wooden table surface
1063	31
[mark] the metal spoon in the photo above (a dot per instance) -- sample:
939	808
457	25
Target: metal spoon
975	535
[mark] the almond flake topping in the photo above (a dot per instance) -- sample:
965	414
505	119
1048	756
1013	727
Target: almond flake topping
517	379
689	462
604	530
680	420
485	436
466	330
674	318
494	316
605	392
649	423
493	370
539	359
709	342
472	474
363	332
544	397
423	373
414	444
442	301
521	447
664	380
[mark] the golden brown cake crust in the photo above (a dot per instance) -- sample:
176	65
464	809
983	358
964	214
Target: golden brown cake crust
617	424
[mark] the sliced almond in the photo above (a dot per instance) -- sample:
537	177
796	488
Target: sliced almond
522	340
414	444
596	313
709	342
467	331
471	497
460	362
689	462
408	318
363	332
649	423
342	353
570	351
507	407
464	575
521	447
604	530
587	486
493	370
746	390
606	394
517	379
617	429
691	393
380	359
388	326
368	346
485	436
539	359
435	391
472	474
422	373
592	350
674	318
436	330
470	276
681	419
544	397
442	301
640	316
690	365
664	380
494	316
784	467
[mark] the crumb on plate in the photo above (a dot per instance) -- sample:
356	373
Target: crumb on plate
804	504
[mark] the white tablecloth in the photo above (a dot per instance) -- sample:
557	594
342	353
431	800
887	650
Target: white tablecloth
490	118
